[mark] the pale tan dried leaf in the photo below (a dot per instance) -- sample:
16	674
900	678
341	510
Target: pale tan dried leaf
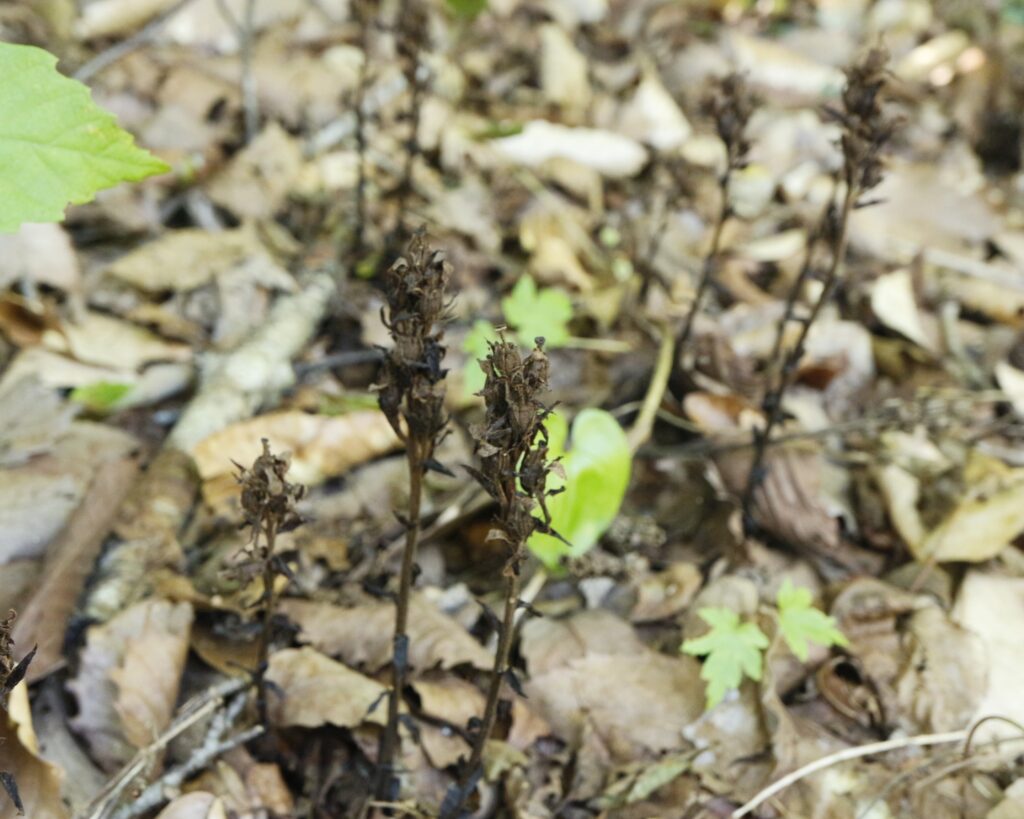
40	253
918	64
96	338
610	154
39	782
894	304
259	178
775	67
315	690
981	526
110	18
653	117
186	259
204	25
945	674
563	70
195	805
127	683
548	644
362	635
1011	381
638	704
32	418
70	558
667	593
37	497
321	446
988	605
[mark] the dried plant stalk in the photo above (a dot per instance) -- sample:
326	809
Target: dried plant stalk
867	130
512	445
412	398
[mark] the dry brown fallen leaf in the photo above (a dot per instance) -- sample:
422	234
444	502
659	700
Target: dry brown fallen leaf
548	644
361	636
127	684
70	557
259	178
39	782
95	338
314	690
183	260
321	446
41	254
637	705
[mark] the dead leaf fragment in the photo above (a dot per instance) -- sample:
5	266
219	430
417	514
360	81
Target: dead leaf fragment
127	684
39	782
893	303
316	690
259	178
608	153
361	636
548	644
195	805
39	253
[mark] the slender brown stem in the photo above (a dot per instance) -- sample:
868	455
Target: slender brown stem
772	404
399	665
269	601
501	664
710	261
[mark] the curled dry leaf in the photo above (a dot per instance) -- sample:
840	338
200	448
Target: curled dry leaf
548	644
314	690
610	154
361	636
38	782
106	341
127	684
894	304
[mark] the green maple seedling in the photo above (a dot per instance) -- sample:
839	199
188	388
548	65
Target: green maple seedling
732	650
534	313
801	623
597	468
56	145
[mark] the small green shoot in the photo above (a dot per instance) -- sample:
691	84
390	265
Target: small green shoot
466	8
100	397
545	312
801	622
58	146
732	649
597	471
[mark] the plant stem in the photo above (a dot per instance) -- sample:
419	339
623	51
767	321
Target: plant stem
772	403
399	665
710	260
501	663
269	601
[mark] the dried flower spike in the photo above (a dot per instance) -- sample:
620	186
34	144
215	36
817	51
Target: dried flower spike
411	395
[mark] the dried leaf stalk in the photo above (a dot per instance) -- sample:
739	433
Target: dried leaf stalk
512	445
412	397
866	130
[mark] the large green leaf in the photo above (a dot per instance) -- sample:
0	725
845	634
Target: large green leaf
596	476
56	146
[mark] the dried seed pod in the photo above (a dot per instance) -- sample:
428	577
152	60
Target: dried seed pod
867	128
731	104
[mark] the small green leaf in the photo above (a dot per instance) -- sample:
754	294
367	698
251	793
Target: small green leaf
467	8
101	396
56	146
732	650
534	313
477	344
801	622
597	471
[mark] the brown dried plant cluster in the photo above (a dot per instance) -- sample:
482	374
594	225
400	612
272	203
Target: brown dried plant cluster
867	128
268	503
512	445
411	395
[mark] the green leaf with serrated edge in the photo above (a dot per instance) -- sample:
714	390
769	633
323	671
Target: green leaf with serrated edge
466	8
802	623
731	650
56	145
101	396
597	468
476	343
532	312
